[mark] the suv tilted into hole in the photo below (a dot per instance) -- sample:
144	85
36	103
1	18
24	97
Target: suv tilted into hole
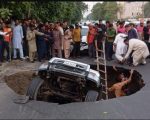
63	80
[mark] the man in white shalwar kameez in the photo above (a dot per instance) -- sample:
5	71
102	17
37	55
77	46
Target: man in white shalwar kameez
140	51
119	47
17	39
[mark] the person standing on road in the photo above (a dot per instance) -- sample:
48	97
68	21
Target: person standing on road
146	32
76	41
110	34
18	39
57	46
140	30
133	26
90	40
49	42
25	27
1	44
121	28
7	40
60	27
2	34
100	36
65	26
146	35
67	41
41	44
131	32
31	38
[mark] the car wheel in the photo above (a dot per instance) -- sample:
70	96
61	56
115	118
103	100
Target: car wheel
34	88
91	96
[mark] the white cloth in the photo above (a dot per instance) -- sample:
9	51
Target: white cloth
61	30
121	47
20	51
62	34
140	50
119	57
139	47
17	37
2	33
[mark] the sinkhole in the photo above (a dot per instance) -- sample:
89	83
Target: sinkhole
20	82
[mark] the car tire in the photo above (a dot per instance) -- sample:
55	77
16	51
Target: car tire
91	96
33	88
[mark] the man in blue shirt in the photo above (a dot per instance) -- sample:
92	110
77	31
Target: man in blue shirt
131	32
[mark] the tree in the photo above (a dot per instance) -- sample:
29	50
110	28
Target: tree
97	11
47	11
5	13
89	17
105	10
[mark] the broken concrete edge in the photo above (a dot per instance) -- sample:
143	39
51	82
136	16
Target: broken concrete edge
22	99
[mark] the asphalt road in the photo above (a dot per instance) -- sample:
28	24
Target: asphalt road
135	106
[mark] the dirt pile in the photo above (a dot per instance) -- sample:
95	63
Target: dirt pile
19	81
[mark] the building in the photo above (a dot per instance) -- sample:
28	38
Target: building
130	10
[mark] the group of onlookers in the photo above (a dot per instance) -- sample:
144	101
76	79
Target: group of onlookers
130	42
29	39
32	39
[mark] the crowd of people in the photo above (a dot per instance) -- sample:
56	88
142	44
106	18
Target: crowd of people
33	40
130	43
29	39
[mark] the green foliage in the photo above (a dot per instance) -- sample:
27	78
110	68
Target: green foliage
105	10
89	17
5	13
48	11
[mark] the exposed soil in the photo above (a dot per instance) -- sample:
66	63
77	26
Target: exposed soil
18	75
20	81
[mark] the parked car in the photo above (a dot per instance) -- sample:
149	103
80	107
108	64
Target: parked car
64	79
83	45
84	33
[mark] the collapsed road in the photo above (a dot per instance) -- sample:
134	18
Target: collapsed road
64	83
114	108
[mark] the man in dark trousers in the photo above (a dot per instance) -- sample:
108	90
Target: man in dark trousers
131	34
146	35
41	44
25	27
101	30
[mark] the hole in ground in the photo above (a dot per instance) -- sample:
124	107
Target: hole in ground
19	82
112	77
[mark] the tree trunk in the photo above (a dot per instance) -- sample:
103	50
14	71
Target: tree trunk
29	12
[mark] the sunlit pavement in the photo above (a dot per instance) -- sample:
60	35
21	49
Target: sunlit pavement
130	107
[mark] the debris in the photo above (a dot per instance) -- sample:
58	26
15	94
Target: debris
22	99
